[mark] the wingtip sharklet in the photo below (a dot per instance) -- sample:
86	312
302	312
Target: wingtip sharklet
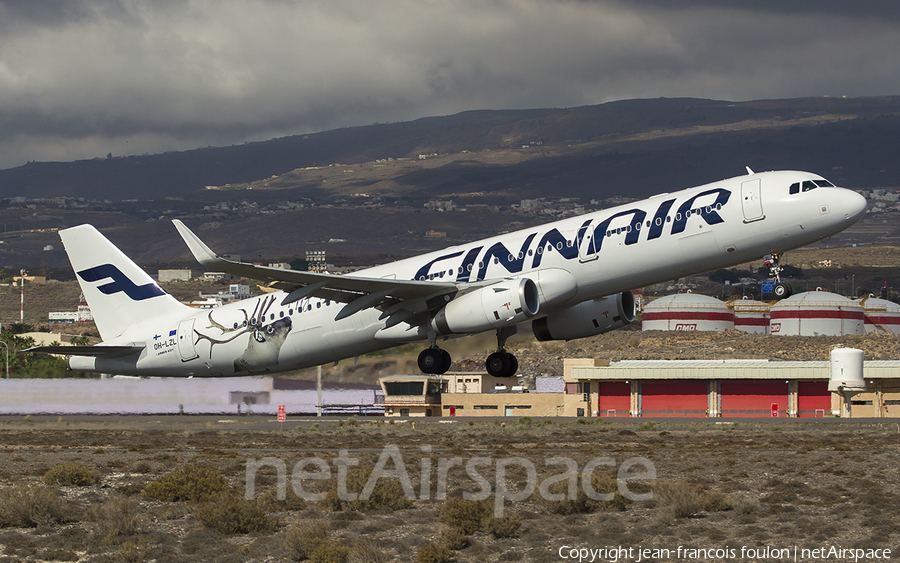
198	248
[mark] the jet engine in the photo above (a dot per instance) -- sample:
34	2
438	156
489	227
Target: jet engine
495	306
588	318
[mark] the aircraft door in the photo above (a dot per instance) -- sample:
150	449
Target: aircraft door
587	250
186	340
751	200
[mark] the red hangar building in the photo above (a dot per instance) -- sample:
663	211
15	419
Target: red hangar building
726	388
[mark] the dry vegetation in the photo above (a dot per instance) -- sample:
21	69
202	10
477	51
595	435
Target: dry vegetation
127	494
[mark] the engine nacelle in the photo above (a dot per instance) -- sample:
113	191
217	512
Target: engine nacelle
588	318
502	304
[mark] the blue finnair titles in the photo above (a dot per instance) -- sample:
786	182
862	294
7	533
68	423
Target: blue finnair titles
568	279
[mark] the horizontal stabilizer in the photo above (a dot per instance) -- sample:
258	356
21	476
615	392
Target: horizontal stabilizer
92	351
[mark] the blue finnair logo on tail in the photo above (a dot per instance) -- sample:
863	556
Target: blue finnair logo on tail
120	282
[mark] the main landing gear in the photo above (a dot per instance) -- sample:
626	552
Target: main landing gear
782	289
434	361
501	363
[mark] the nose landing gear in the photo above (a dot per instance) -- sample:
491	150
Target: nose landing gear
782	290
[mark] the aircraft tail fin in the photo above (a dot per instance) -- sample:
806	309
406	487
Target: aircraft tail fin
119	293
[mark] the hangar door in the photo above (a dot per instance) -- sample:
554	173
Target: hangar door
615	399
748	397
813	399
674	398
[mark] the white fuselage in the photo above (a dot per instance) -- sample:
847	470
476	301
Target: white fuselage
603	253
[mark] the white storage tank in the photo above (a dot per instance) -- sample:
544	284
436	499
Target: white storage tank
687	311
881	314
817	313
846	377
750	315
847	370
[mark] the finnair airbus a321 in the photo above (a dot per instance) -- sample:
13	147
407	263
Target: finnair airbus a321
569	279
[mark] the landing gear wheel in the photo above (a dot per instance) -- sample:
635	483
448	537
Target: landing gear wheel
513	365
497	364
501	364
782	290
431	360
447	361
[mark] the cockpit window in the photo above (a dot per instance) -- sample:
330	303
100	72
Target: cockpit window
808	185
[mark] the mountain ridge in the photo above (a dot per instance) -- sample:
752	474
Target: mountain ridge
859	131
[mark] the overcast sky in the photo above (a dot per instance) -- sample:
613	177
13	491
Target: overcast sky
83	78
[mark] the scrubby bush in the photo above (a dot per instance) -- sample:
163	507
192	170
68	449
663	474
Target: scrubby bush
367	550
465	515
32	505
117	517
302	538
433	553
271	503
504	526
684	499
70	474
387	494
229	514
187	483
329	551
601	483
455	539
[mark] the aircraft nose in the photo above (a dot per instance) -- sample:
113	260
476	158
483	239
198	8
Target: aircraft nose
853	205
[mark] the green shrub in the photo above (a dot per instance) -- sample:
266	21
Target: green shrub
117	517
32	505
188	482
367	550
229	514
455	539
329	551
602	483
465	515
302	538
679	497
433	553
504	526
70	474
717	502
270	502
387	494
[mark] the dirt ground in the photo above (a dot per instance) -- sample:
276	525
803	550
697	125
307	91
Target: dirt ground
720	485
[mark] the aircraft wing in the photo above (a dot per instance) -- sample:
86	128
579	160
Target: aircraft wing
358	292
94	351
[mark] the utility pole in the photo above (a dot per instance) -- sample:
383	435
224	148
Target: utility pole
5	345
22	291
319	391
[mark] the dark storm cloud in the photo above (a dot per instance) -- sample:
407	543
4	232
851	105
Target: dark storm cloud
865	8
84	78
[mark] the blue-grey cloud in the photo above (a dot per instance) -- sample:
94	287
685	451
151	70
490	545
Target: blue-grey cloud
80	79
